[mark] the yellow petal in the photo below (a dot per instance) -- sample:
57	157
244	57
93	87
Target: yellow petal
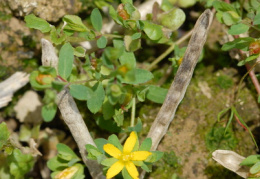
140	155
112	150
130	143
132	170
115	169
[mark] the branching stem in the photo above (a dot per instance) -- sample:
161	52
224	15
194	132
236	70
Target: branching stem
168	51
133	112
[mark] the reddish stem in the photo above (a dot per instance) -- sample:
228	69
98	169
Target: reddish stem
253	78
61	78
240	122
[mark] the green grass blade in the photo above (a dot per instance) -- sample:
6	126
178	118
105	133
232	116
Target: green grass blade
243	122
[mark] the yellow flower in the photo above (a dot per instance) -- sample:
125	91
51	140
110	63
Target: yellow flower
125	157
67	173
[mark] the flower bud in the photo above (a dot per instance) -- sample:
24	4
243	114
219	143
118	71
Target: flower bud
122	12
67	173
254	48
44	79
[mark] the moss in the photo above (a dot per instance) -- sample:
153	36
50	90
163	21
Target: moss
196	116
213	171
169	165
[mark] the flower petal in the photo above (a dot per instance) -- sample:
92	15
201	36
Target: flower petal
115	169
130	143
132	170
112	150
140	155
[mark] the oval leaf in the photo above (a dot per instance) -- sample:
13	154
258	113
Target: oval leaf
96	19
157	94
95	101
153	31
80	92
48	112
74	23
102	42
66	57
238	29
37	23
137	76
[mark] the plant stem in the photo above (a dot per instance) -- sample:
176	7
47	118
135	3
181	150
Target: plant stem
253	78
113	36
133	112
168	51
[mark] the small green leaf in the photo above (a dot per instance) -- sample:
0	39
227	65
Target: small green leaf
127	1
231	17
255	168
108	125
58	85
35	84
4	134
136	35
95	102
55	164
239	43
257	19
145	168
113	54
153	31
56	36
138	127
146	145
251	160
65	152
157	94
74	23
252	57
66	56
96	19
113	139
119	117
102	42
93	152
156	155
172	19
241	63
238	29
80	92
100	142
141	94
79	51
126	174
130	44
223	6
73	161
109	161
137	76
37	23
49	112
258	100
21	163
114	16
107	109
128	59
